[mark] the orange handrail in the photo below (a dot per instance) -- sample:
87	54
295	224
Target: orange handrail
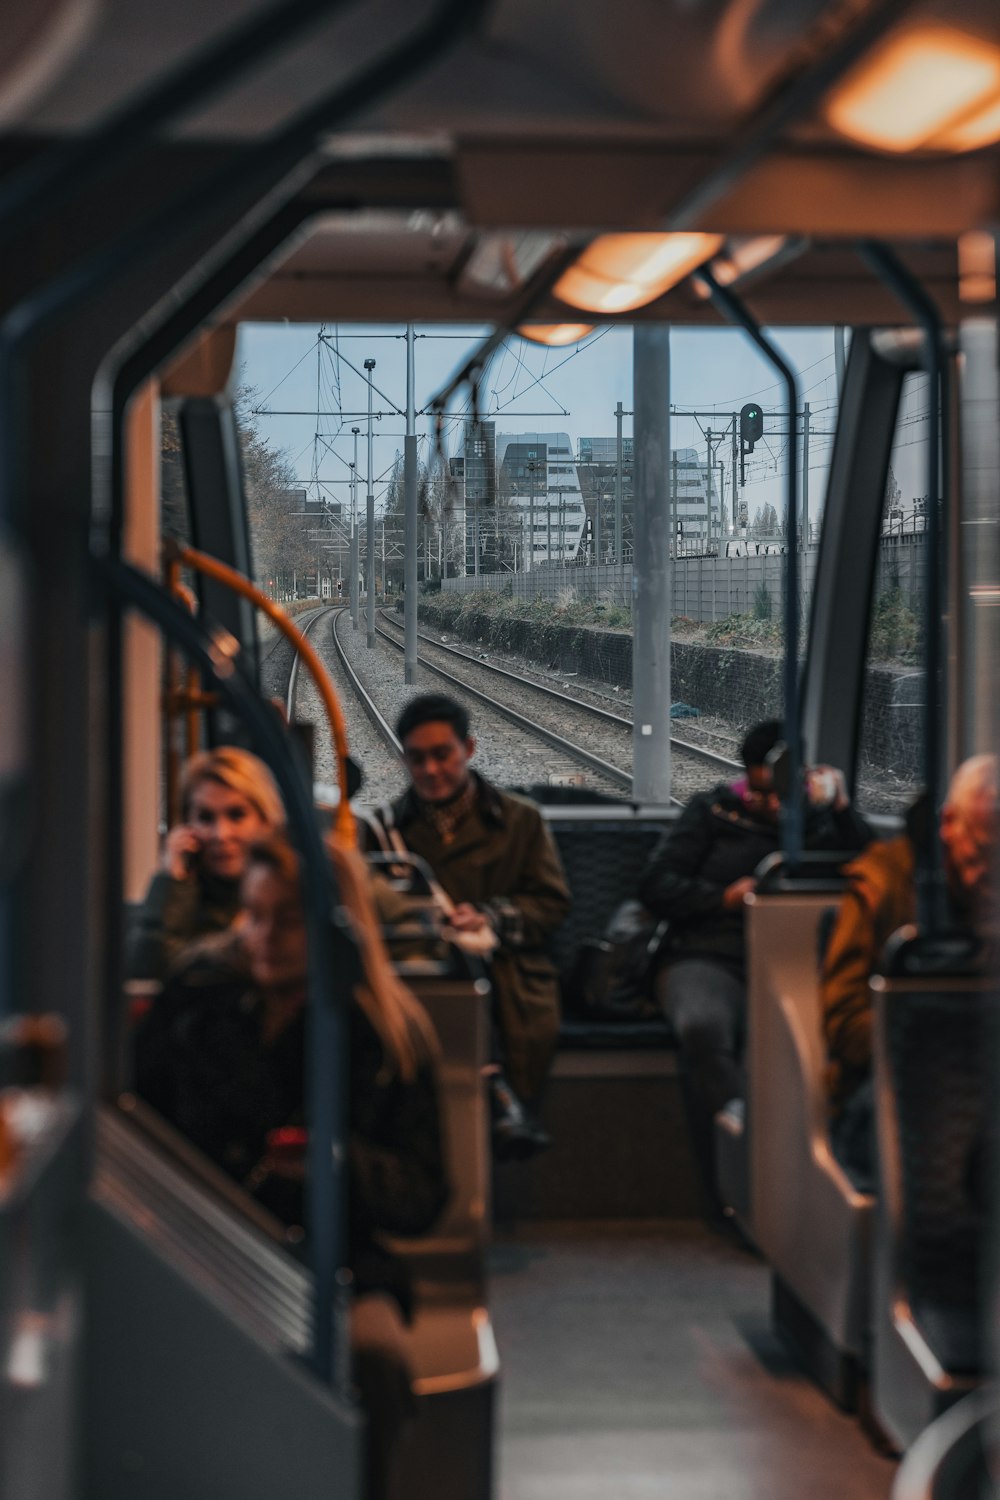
344	826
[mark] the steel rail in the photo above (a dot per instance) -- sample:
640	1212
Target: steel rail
575	752
699	751
367	701
305	625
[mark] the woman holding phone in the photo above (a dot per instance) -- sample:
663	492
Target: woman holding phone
228	802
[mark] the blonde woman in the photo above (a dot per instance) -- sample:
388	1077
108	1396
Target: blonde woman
222	1056
228	802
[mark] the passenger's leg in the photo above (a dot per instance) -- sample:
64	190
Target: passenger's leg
382	1375
705	1003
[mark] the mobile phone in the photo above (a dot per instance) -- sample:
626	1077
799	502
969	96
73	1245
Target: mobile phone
192	856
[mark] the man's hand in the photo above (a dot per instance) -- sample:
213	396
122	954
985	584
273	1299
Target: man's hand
180	852
467	918
732	896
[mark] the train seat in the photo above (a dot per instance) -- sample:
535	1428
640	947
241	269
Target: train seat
931	1056
452	1346
809	1221
603	851
613	1104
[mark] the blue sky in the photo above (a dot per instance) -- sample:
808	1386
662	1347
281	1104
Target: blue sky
572	390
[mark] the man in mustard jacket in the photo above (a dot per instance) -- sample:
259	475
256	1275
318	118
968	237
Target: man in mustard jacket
880	898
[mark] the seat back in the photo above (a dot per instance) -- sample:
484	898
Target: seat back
603	857
808	1220
932	1077
449	1263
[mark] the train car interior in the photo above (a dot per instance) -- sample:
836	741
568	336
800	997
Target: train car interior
171	177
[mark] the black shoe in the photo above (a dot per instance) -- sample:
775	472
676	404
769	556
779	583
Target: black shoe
516	1135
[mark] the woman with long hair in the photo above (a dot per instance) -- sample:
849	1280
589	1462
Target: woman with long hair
222	1056
228	802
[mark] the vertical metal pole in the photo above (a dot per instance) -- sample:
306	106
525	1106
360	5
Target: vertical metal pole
651	575
838	357
411	518
805	475
708	491
619	556
531	518
548	519
980	345
598	492
673	508
370	559
355	550
736	457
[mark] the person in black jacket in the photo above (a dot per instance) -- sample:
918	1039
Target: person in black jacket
222	1054
698	878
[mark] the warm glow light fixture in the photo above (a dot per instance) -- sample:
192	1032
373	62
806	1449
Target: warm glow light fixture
619	272
924	88
555	335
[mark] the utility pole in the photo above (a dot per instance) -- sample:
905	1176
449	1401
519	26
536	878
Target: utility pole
531	517
598	492
805	476
355	556
708	492
618	485
548	520
651	571
412	520
370	559
672	531
735	459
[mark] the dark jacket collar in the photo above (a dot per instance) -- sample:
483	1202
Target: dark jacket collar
490	804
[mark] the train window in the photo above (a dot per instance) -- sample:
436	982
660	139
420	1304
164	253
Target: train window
526	531
893	709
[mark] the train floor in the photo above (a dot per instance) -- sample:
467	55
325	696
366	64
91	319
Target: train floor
638	1362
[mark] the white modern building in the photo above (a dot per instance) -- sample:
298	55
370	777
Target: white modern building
693	487
539	467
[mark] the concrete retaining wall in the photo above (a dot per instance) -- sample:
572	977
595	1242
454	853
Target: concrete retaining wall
738	686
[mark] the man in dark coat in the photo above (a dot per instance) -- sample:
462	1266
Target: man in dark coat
698	877
494	858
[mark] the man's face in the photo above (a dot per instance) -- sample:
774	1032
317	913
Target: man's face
438	761
968	833
761	796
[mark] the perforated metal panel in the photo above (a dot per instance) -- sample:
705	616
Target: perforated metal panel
936	1045
603	862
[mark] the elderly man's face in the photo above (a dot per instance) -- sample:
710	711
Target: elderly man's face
968	833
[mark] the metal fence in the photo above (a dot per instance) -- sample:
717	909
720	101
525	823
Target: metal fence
704	588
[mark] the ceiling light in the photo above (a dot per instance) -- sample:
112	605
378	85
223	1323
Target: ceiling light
555	334
926	88
619	272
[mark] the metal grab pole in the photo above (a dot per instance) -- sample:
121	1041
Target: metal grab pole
370	517
890	270
733	310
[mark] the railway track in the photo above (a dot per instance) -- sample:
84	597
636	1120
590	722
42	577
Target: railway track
613	777
722	763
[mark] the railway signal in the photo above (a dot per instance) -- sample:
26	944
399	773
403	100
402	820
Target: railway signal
751	432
